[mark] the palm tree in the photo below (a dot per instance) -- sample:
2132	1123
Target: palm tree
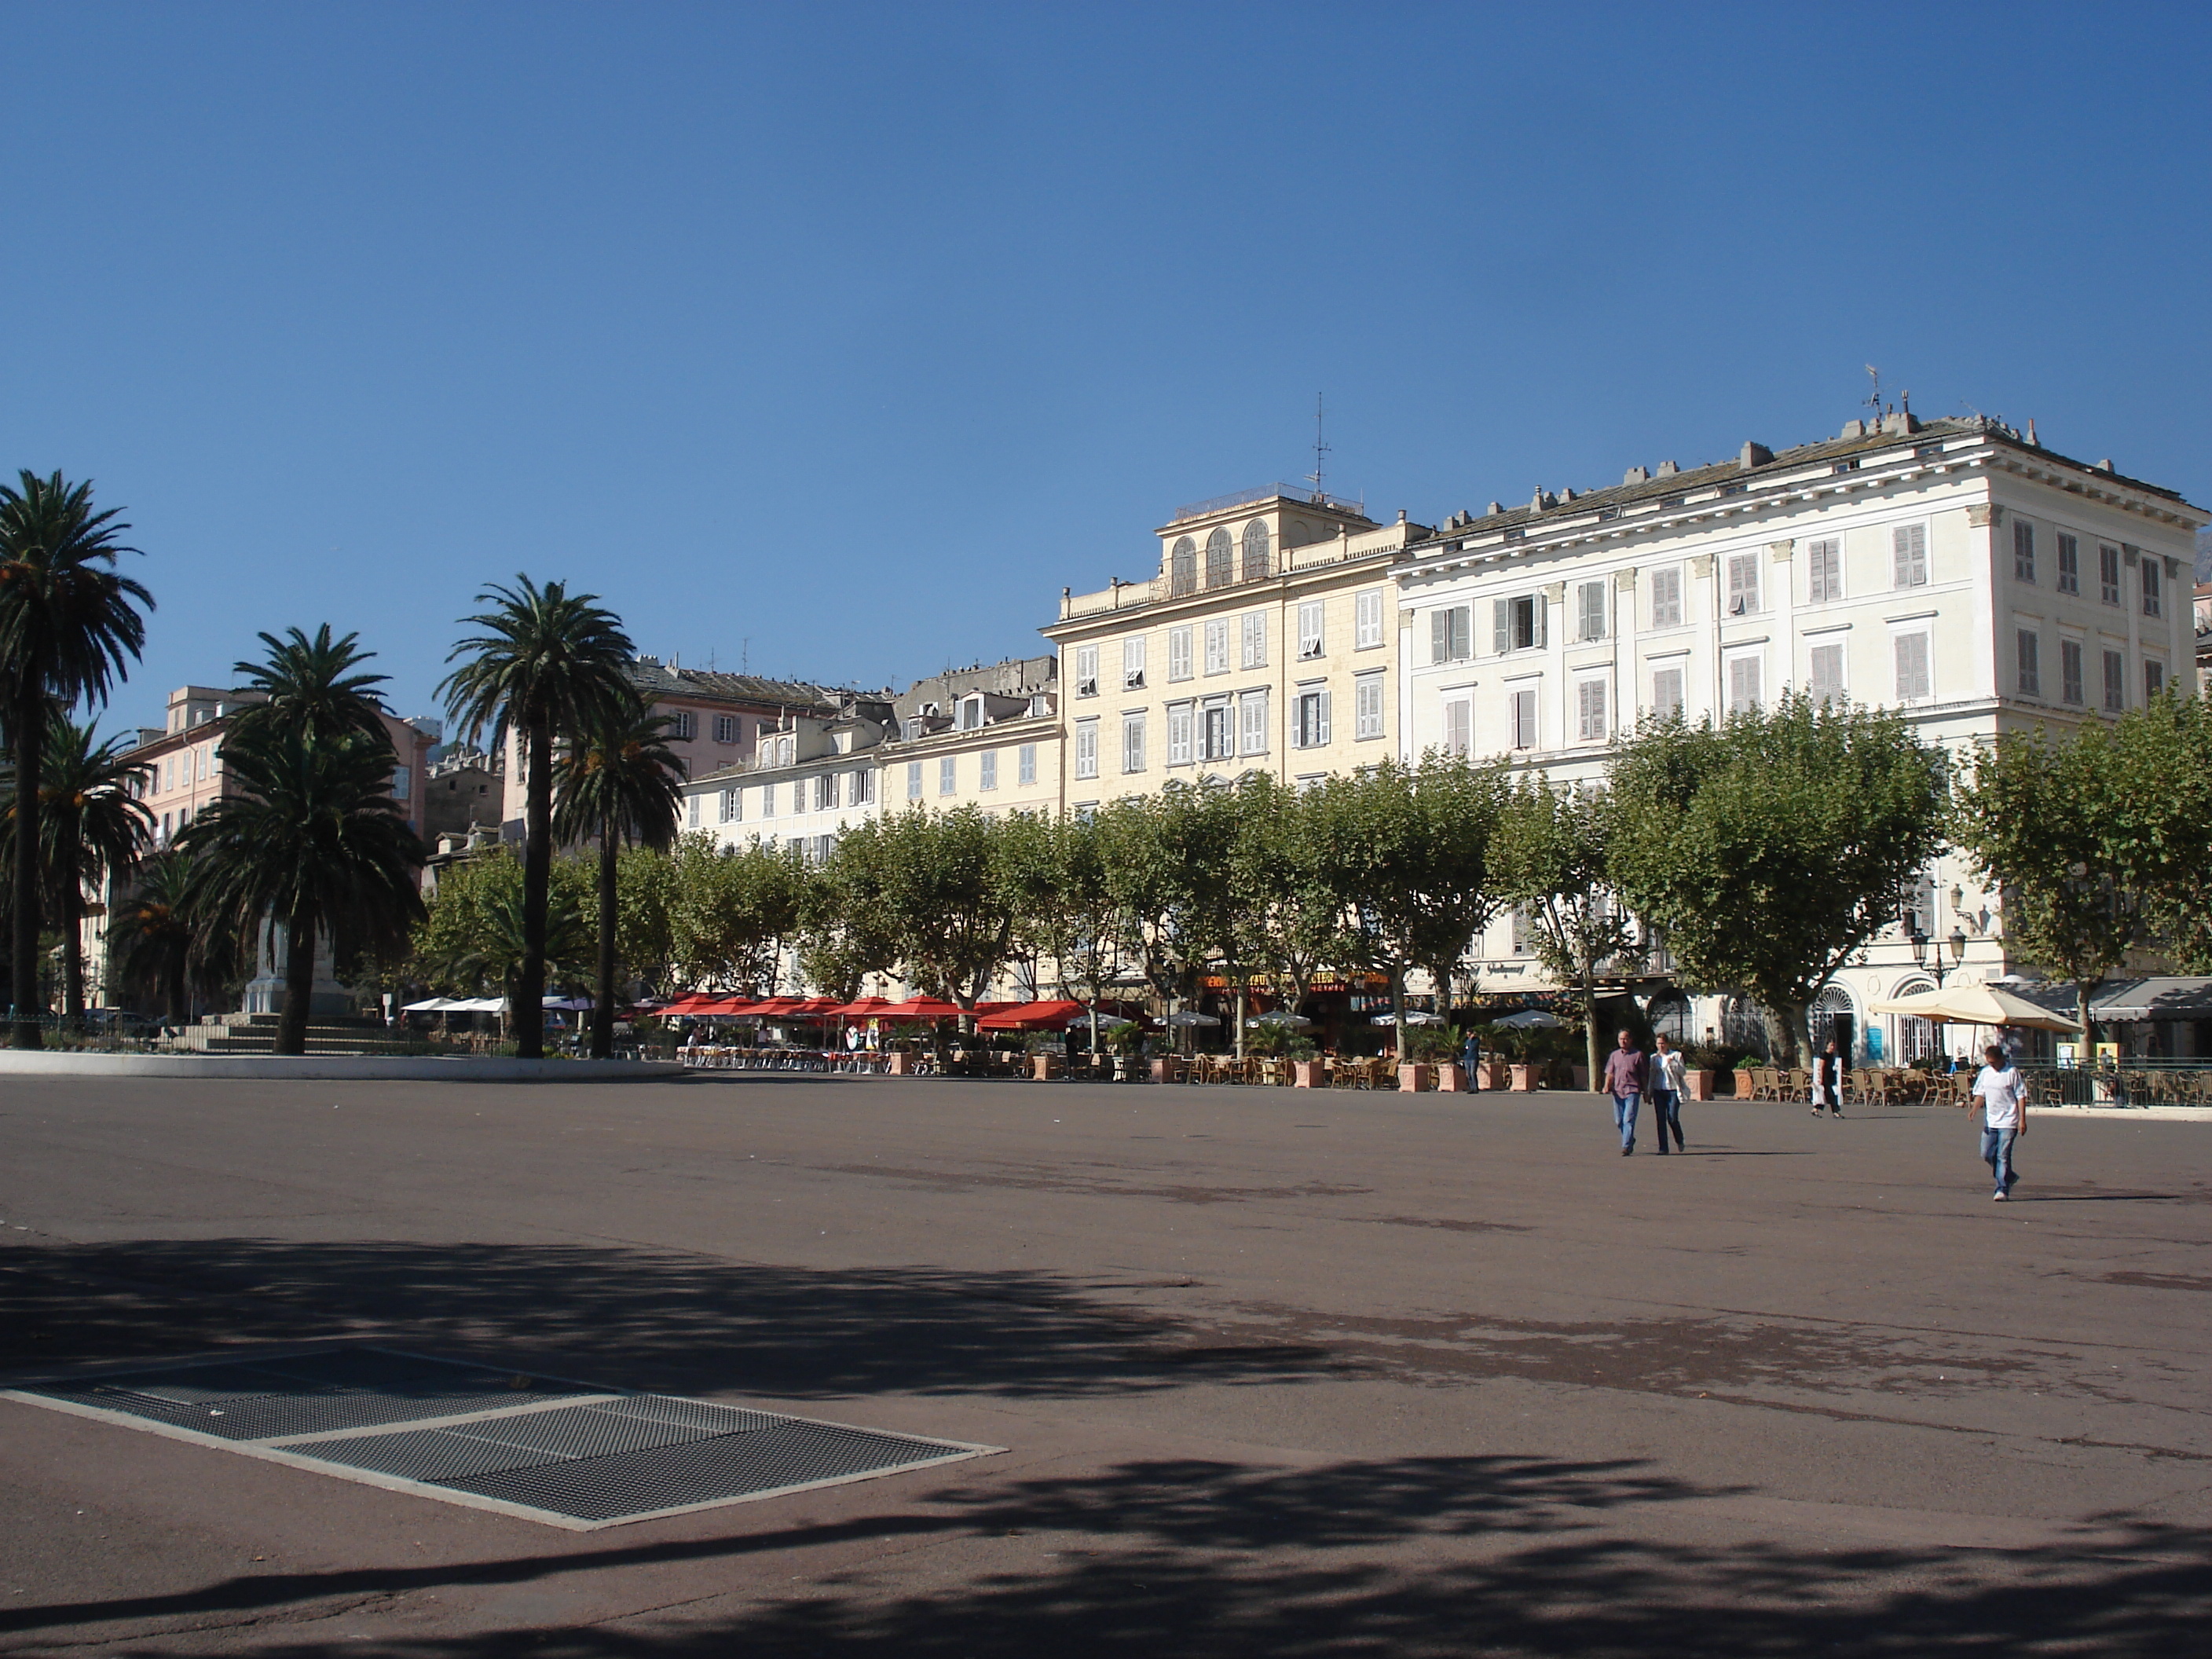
67	622
310	688
160	937
93	826
548	665
620	783
313	839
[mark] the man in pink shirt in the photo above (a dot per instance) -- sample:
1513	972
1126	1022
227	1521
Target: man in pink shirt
1624	1080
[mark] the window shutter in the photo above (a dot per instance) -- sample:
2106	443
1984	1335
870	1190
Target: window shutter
1439	637
1501	626
1321	735
1542	609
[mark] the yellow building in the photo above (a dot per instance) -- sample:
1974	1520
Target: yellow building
1267	641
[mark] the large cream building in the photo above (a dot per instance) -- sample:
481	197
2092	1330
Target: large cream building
1267	641
1953	569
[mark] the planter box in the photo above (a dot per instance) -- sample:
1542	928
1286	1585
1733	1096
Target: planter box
1168	1068
1416	1079
1525	1078
1451	1079
1490	1074
1309	1074
1046	1068
1698	1084
902	1063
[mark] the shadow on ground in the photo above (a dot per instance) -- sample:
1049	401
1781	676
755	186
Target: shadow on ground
1415	1556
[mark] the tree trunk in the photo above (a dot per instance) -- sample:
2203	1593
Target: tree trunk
1398	1003
175	991
529	1009
72	921
603	987
1793	1018
2082	991
1590	1044
30	713
298	984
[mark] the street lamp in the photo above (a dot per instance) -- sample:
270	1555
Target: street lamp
1920	943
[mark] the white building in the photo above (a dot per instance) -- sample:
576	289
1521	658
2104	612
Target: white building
810	779
1950	567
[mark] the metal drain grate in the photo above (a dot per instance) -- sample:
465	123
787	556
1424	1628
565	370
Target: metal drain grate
551	1450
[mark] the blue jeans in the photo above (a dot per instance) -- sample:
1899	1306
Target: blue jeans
1997	1152
1624	1118
1666	1113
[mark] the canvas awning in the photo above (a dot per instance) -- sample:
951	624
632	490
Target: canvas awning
922	1008
1032	1017
2174	996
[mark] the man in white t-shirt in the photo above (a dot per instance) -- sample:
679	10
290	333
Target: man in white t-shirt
2005	1114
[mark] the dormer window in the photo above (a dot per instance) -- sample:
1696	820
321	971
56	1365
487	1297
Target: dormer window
972	714
914	727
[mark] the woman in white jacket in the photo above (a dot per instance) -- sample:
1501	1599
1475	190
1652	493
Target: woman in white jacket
1667	1085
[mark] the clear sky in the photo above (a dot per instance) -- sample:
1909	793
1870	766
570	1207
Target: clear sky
836	339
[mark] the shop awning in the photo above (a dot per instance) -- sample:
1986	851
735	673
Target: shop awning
2174	996
922	1008
1033	1017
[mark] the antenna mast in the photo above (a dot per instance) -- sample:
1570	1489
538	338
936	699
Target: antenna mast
1321	449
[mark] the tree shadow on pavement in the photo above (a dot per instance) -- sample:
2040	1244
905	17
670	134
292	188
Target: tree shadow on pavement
1442	1556
633	1318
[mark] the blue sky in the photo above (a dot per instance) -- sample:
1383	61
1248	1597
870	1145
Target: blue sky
837	339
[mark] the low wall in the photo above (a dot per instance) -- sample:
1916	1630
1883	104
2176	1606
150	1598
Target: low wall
332	1068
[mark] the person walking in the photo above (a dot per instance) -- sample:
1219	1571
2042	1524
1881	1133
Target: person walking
1667	1085
1470	1056
2004	1115
1624	1075
1828	1081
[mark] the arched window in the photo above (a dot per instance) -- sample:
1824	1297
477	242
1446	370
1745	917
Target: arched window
1220	560
1183	568
1916	1038
1255	549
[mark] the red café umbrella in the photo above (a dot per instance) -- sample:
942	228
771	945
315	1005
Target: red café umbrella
864	1008
1033	1017
811	1007
691	1002
922	1008
728	1006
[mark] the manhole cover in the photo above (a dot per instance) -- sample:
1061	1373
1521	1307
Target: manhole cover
551	1450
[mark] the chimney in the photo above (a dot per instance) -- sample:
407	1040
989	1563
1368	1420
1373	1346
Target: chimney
1668	469
1754	454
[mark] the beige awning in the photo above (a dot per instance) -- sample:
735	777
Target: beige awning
1976	1004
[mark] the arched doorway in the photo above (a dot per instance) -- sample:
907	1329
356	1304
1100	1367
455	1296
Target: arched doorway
1835	1015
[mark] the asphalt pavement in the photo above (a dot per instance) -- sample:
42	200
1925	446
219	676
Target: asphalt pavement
1278	1372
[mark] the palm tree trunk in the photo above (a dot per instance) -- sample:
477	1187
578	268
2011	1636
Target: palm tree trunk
298	984
30	720
536	879
603	987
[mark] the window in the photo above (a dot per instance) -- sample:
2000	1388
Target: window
2148	565
1025	764
1217	645
2023	551
2069	672
1255	549
1824	569
1911	653
2154	680
1521	929
1367	705
215	760
1252	720
1448	632
1220	559
1517	624
1521	716
1745	685
1132	743
1367	620
1179	735
1589	610
914	780
1133	663
1908	551
403	777
2027	659
726	728
2116	681
863	791
1086	751
1309	635
825	793
948	775
1086	671
1589	711
768	801
1459	727
972	714
1183	568
1742	584
686	723
1215	740
1256	640
986	769
691	812
1666	693
2069	564
2108	574
1310	718
1827	673
1179	653
1666	597
734	808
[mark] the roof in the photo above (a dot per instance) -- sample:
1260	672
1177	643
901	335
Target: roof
657	678
1572	503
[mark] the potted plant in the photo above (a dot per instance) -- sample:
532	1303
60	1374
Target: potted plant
1431	1061
1125	1041
1047	1057
1307	1069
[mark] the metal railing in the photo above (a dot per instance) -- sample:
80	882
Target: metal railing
1268	492
2130	1083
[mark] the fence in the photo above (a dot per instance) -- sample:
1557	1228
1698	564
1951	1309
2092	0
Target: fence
2130	1083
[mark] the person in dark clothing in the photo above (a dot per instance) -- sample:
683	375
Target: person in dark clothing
1828	1081
1624	1075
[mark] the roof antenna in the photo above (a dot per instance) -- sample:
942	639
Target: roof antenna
1321	449
1873	398
745	655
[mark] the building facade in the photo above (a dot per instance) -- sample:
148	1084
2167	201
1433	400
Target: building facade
987	736
1950	568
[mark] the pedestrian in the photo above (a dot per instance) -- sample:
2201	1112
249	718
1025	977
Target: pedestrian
1828	1081
1667	1085
1624	1075
2004	1115
1470	1056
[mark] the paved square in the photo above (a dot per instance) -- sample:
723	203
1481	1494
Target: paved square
1279	1373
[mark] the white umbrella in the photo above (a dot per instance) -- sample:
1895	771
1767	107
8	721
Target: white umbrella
1529	1019
1976	1004
1413	1017
1283	1018
429	1006
1190	1017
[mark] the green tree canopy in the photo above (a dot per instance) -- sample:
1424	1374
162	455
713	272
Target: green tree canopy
469	941
1553	855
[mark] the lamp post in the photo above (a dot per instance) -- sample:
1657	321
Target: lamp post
1920	944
